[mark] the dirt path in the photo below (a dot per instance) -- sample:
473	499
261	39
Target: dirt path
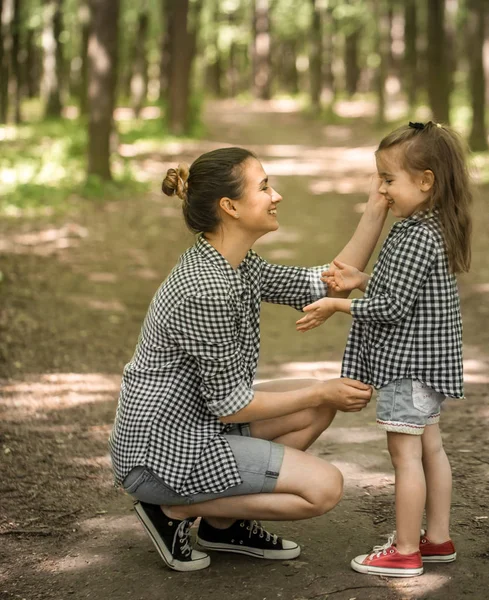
73	297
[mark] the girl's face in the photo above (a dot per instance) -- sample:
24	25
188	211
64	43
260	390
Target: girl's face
257	208
405	193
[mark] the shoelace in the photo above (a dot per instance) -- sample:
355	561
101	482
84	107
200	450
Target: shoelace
182	534
378	550
255	527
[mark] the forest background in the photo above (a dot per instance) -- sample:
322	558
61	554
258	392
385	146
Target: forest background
97	99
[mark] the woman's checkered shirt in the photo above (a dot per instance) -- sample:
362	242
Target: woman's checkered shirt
408	323
195	361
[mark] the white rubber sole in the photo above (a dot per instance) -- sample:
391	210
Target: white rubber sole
286	554
199	560
447	558
369	570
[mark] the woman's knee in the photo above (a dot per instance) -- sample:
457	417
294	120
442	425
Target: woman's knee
328	492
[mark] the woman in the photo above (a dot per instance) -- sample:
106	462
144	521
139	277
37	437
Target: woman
192	436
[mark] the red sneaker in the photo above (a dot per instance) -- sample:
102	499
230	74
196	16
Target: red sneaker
436	553
386	560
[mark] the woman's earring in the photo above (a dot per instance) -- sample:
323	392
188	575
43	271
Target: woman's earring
236	216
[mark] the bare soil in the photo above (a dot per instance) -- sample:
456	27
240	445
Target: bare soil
74	292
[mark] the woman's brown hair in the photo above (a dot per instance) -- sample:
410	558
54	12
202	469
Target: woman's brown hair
439	149
214	175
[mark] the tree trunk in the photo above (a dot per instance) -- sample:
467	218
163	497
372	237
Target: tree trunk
6	15
261	50
475	30
183	47
410	52
352	69
166	40
16	59
315	56
84	20
102	57
438	78
287	68
214	64
382	49
329	54
53	58
139	78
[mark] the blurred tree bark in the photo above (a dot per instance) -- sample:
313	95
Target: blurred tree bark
102	77
438	83
31	65
16	59
84	20
286	65
166	37
262	74
329	28
382	49
139	74
52	58
316	55
476	33
183	46
6	16
352	68
410	52
214	65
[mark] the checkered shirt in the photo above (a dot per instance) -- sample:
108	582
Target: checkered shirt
195	361
408	323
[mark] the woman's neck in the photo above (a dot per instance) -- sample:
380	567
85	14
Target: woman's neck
233	248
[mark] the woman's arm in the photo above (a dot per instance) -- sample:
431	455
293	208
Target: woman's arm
343	394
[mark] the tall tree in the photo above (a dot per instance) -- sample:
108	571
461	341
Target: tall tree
6	16
214	59
16	59
475	29
84	21
262	72
438	83
382	50
316	55
410	52
52	57
167	24
182	52
139	75
329	29
352	40
102	56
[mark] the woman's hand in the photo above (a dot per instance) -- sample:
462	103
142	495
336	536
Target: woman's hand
344	278
377	203
317	313
347	395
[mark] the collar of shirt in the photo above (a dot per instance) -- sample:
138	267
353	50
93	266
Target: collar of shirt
415	218
213	256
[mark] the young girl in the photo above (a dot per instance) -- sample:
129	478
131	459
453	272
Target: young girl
406	337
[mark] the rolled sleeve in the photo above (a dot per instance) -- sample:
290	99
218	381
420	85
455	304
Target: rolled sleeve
204	327
293	286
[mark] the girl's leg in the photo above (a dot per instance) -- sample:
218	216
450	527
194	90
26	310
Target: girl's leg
306	487
406	455
298	430
438	485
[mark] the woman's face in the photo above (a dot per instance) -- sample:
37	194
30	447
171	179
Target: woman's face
257	207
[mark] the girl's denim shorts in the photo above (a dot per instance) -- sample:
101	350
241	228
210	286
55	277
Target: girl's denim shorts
259	462
407	406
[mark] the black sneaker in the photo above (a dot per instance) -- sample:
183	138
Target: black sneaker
171	538
246	537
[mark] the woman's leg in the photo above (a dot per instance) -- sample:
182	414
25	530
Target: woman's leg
406	455
298	430
438	485
306	487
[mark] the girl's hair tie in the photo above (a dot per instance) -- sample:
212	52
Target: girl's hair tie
416	125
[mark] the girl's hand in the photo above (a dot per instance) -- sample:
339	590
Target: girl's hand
317	313
344	278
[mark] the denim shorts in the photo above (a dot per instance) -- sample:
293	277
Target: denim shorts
259	462
407	406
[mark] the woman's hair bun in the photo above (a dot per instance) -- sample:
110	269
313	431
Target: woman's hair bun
175	181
